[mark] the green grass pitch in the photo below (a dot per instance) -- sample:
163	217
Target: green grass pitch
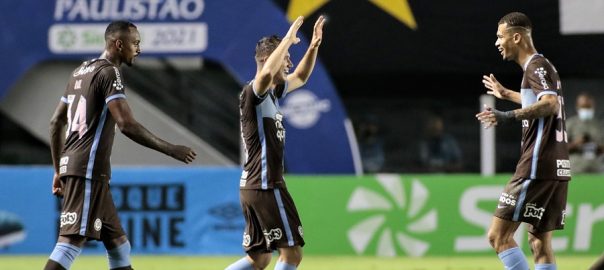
309	262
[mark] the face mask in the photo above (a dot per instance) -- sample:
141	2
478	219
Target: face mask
586	114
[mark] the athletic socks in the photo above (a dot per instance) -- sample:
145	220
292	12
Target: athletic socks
119	257
513	259
284	266
242	264
545	266
64	254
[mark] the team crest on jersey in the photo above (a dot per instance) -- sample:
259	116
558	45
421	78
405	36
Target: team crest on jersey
98	224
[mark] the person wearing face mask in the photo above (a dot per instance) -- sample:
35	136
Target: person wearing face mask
586	141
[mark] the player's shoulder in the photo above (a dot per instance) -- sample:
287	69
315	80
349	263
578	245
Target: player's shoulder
539	62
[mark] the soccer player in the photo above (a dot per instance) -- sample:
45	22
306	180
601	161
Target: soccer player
599	264
93	103
272	221
536	194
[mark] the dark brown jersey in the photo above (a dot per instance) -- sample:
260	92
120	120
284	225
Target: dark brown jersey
263	137
90	127
544	141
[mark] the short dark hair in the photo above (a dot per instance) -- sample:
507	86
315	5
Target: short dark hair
117	27
517	19
266	46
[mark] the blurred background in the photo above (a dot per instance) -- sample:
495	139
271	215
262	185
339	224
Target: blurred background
391	102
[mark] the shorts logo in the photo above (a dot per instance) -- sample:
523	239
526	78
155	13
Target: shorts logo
532	211
246	240
272	235
300	231
98	224
68	218
507	199
563	217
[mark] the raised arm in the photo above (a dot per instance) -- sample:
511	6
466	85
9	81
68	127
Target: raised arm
497	90
57	125
135	131
301	74
272	64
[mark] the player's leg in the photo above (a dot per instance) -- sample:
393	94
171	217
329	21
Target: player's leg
65	252
255	244
599	264
501	237
255	260
112	234
74	223
541	246
289	258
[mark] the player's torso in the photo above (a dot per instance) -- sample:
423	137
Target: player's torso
544	140
263	135
90	128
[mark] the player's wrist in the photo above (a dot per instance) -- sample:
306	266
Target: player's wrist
504	116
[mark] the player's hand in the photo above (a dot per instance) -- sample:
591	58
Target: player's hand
495	88
317	34
57	185
183	153
487	117
293	30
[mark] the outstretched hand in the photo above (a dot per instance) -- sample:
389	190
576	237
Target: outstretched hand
293	30
317	34
487	117
495	88
183	153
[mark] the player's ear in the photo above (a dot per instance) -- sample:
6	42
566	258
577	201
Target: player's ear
119	44
517	37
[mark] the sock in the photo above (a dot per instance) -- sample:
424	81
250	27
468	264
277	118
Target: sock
120	256
547	266
513	259
242	264
284	266
64	254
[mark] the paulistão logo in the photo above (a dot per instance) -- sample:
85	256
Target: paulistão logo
397	220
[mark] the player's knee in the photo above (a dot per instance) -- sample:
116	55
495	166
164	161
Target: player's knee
119	257
538	246
292	255
260	260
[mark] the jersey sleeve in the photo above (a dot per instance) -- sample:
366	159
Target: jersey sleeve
109	83
281	90
540	79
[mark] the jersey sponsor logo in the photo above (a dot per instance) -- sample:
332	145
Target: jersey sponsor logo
78	85
272	235
507	199
279	127
533	211
68	218
243	179
541	72
563	167
98	224
303	108
246	240
525	123
64	161
117	84
84	71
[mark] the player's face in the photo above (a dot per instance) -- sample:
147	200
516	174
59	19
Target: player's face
286	65
505	42
131	46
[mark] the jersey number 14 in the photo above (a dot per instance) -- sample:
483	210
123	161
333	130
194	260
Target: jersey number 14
78	123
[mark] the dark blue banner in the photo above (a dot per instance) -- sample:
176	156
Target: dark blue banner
163	210
319	140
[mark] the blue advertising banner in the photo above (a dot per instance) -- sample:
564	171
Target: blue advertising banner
163	210
319	137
